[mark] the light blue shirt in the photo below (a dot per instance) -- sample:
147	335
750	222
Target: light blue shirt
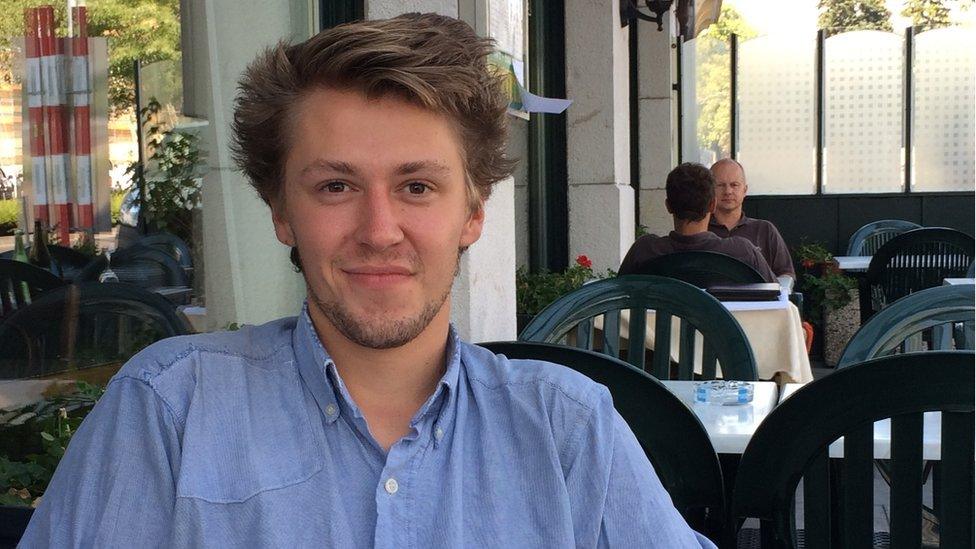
250	439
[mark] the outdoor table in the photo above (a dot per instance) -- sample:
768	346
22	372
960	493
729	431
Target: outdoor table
853	263
774	331
931	432
729	427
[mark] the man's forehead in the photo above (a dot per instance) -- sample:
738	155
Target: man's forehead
728	172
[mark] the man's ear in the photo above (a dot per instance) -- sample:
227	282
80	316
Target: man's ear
282	226
711	205
471	231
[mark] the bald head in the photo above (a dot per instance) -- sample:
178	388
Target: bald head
730	186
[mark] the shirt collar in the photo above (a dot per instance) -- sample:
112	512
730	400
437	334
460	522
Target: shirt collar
692	238
319	373
743	220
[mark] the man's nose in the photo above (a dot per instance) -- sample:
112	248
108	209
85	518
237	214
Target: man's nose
379	224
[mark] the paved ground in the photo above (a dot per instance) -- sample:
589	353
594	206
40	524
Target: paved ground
104	240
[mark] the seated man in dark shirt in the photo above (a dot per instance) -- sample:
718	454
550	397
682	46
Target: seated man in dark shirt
730	190
691	201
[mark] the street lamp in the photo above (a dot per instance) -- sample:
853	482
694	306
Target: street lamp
629	11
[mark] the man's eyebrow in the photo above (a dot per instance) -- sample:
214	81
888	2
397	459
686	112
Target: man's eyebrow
331	165
434	166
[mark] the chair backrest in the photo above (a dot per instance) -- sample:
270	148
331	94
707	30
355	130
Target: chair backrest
793	441
172	245
141	266
81	326
723	340
913	261
702	269
21	283
66	263
886	331
870	237
671	435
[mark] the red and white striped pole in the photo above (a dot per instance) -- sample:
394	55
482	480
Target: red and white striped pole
52	60
35	116
82	116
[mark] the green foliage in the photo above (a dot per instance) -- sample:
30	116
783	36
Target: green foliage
837	16
821	281
49	425
8	217
535	291
714	79
926	14
172	178
136	29
116	206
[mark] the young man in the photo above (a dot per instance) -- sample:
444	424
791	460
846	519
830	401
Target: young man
731	189
690	192
364	421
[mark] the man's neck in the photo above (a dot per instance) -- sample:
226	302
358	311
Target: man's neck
388	385
728	218
688	228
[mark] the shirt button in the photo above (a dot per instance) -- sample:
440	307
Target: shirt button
391	486
330	410
438	433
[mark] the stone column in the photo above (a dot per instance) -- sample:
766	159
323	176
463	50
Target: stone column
657	103
601	201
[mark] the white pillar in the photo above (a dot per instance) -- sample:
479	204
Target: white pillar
483	297
658	122
249	278
601	201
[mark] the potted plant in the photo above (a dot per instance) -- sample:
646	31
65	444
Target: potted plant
535	291
830	298
32	442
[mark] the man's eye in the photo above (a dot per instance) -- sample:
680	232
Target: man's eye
335	186
417	188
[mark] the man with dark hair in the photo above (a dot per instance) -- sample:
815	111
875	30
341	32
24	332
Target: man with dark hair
729	220
365	421
690	192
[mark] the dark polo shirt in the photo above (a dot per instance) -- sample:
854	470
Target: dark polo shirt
650	246
764	234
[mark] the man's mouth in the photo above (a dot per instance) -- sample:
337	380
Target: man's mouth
378	276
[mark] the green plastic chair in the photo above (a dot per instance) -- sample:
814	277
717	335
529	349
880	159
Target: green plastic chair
792	443
888	331
723	339
913	261
671	435
21	283
870	237
702	269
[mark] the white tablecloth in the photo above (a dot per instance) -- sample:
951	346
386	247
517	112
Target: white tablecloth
729	427
775	333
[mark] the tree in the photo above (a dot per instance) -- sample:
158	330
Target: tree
837	16
136	29
714	78
926	14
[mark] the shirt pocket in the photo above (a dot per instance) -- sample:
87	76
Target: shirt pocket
248	430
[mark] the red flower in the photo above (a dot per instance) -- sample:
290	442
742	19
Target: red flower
584	262
808	263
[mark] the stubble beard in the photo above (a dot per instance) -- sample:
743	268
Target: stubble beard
380	332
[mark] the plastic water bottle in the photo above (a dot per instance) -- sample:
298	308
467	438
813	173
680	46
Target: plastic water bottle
723	392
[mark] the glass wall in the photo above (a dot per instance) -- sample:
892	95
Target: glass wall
863	133
943	136
776	131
